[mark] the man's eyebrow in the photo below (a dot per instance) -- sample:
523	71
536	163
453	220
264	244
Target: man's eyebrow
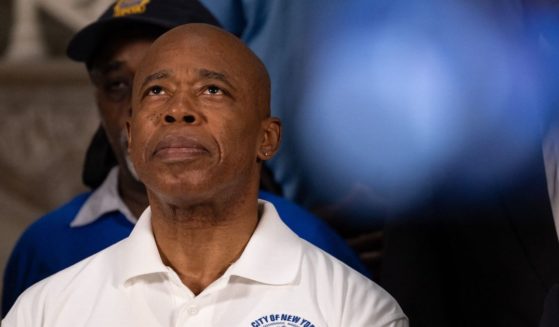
106	68
112	66
210	74
162	74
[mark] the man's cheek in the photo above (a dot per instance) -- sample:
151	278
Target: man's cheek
135	146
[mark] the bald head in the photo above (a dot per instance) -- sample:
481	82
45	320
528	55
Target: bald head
239	65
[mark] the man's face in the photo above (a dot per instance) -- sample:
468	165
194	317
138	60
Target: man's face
112	75
196	129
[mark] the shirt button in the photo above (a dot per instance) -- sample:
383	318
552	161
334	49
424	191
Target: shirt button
192	309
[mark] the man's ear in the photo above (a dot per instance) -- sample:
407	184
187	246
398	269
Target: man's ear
270	139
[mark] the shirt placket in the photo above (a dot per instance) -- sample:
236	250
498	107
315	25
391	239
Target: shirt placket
194	310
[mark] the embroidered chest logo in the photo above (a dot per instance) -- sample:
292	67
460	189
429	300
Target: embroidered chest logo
281	320
129	7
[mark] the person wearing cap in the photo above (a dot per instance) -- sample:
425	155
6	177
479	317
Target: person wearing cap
112	47
207	251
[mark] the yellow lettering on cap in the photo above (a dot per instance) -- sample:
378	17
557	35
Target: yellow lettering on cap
129	7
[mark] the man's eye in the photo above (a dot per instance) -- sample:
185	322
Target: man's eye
212	89
117	90
112	86
156	90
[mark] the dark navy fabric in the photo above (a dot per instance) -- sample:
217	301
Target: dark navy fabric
50	244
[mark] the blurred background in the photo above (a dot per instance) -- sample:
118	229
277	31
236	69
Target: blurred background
397	91
47	111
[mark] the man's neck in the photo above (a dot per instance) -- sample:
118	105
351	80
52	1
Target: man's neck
201	241
133	193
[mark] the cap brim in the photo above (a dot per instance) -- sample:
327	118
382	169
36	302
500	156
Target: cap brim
85	42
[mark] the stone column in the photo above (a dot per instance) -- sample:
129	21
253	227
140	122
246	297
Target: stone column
25	43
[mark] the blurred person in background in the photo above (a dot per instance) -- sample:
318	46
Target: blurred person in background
112	48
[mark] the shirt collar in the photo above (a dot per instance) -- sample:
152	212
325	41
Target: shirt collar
139	254
272	255
103	200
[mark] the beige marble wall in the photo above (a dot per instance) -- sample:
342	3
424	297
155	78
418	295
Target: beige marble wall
47	117
47	112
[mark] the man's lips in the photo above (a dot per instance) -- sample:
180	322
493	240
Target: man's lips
179	148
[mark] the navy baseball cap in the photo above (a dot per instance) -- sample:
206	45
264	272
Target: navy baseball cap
164	14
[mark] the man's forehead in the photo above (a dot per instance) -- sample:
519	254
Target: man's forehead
186	57
106	68
194	73
187	46
194	32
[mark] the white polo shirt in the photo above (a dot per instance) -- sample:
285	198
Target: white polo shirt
279	280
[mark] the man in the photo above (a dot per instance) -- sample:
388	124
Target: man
206	252
112	48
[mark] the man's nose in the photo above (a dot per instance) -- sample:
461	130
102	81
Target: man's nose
189	119
181	110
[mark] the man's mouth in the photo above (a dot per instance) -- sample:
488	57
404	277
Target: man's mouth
174	148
